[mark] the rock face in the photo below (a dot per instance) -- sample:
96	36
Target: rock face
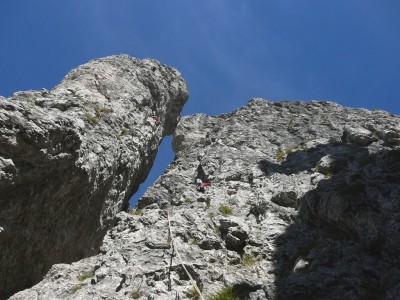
71	158
303	204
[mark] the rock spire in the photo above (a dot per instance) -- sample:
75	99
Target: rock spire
71	157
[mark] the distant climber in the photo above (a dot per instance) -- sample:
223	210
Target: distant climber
200	185
250	178
156	119
201	179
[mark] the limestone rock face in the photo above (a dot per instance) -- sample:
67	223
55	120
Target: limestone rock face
71	158
303	204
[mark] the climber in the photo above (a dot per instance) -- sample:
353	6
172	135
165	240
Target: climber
156	119
200	185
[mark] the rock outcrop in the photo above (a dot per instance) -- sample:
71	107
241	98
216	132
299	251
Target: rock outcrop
303	204
71	157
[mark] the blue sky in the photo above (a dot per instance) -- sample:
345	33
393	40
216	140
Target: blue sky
228	51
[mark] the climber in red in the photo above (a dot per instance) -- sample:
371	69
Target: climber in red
200	185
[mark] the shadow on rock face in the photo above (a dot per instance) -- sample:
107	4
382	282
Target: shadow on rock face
345	241
305	159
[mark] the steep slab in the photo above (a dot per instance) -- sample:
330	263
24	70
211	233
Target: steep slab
71	158
303	204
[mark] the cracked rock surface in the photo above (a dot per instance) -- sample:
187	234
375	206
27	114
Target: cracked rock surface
303	204
71	157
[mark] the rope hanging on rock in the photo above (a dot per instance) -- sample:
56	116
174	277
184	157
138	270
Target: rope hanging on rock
192	281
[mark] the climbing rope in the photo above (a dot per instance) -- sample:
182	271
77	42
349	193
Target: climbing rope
192	281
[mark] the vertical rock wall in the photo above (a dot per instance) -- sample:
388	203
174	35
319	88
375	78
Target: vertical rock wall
303	204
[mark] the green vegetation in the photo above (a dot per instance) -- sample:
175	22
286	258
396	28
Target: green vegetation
227	293
106	110
248	260
211	214
120	120
99	110
280	155
296	147
124	131
217	230
304	148
193	294
81	278
291	149
77	288
290	124
84	276
136	293
136	212
194	241
225	210
327	174
92	119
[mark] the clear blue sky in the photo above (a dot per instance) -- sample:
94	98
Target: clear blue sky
228	51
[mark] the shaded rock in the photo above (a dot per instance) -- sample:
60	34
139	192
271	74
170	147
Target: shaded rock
209	243
236	239
360	136
326	165
287	199
392	136
258	295
155	245
300	265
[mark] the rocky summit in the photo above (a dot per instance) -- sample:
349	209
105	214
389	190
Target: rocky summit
301	201
71	157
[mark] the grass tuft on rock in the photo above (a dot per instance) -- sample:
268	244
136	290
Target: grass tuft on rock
77	288
193	294
84	276
227	293
248	260
92	119
136	293
225	210
280	155
136	212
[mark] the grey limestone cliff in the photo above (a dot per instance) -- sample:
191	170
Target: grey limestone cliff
71	157
303	204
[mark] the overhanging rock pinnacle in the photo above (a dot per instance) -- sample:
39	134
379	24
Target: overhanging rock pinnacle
71	157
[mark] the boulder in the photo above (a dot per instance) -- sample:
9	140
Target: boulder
359	136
